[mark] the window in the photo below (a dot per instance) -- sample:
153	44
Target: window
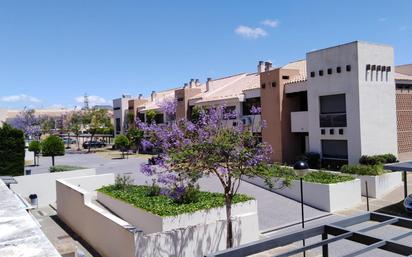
334	149
322	131
331	131
320	72
348	68
118	126
263	85
141	117
248	103
388	69
116	108
159	118
329	71
180	99
340	131
338	69
274	84
312	74
285	77
332	111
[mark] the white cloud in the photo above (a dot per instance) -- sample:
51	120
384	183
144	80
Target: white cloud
22	98
249	32
93	100
271	23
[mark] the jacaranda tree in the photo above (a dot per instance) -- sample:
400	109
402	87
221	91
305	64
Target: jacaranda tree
206	146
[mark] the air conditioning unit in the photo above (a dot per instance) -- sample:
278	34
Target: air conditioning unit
247	121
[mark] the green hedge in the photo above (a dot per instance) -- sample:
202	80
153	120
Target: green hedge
321	177
60	168
366	170
11	151
165	206
377	159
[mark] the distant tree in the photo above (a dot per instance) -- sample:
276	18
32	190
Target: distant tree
35	147
96	119
122	142
135	137
53	146
75	126
47	124
11	151
150	116
27	122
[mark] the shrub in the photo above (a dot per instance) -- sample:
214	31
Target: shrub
53	146
377	159
367	170
122	142
122	182
324	177
60	168
163	205
35	147
11	151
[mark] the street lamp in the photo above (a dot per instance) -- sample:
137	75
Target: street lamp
301	167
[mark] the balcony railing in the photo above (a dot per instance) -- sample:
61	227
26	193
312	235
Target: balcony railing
333	120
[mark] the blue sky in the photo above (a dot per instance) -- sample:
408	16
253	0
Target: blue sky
52	52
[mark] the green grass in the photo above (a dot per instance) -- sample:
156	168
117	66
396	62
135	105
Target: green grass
164	206
321	177
60	168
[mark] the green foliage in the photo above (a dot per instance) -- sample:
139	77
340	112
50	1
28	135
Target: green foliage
121	142
11	151
35	146
135	136
288	174
130	117
191	195
122	182
367	170
150	116
323	177
153	189
165	206
60	168
47	124
53	146
377	159
195	113
97	120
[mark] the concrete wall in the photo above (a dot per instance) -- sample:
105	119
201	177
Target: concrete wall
108	234
28	157
380	185
44	185
120	110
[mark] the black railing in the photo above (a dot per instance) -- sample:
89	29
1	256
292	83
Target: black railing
332	120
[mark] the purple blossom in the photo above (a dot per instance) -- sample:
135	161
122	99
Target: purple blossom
147	169
146	144
255	110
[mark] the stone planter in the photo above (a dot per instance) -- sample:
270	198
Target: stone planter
380	185
152	223
326	197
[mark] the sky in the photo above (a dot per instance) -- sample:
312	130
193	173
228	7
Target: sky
54	52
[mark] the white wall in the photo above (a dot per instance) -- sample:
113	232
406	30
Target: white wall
123	104
44	185
370	106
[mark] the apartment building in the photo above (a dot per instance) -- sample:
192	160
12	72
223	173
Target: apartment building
120	111
341	102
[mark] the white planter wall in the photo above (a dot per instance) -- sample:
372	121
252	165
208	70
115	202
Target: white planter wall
151	223
44	185
326	197
114	236
378	186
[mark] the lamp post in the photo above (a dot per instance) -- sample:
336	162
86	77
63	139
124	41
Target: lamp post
301	167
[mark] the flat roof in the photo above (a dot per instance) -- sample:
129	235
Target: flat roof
20	234
401	166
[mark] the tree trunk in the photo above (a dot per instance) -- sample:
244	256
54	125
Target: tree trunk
53	160
35	156
90	142
78	143
229	229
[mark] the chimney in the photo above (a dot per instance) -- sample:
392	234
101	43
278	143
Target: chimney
140	97
152	95
192	83
268	65
260	67
197	82
208	84
185	85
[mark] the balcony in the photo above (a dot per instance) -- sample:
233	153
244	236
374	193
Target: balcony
299	122
332	120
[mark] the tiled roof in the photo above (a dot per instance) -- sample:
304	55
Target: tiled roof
158	98
228	87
